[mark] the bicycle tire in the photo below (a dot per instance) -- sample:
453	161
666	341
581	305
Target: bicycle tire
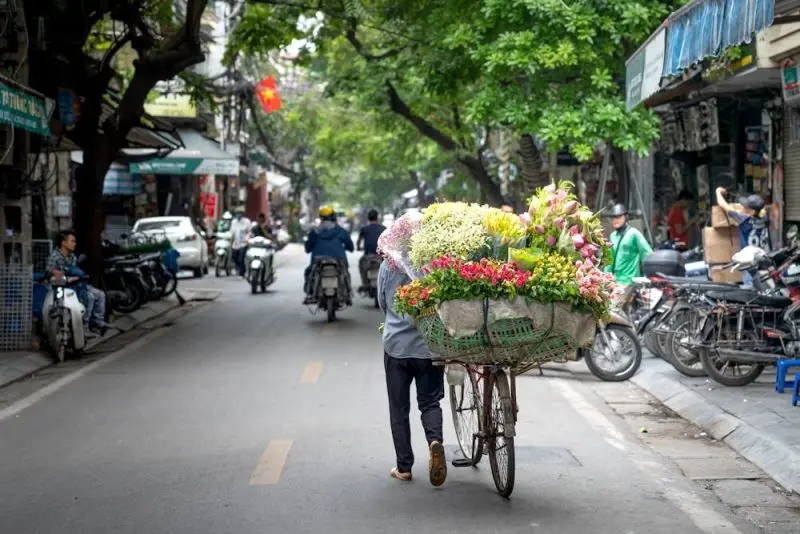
497	389
469	440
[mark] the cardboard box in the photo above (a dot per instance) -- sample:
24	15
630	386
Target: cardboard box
720	219
720	244
718	274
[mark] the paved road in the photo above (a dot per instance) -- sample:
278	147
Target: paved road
253	416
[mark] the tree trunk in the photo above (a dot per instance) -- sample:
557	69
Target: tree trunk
533	174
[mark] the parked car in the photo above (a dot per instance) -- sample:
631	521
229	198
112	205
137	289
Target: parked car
189	240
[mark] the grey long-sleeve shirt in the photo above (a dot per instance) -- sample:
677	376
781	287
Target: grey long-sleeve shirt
400	336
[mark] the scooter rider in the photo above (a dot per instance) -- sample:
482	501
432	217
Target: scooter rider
368	242
240	229
63	264
629	247
224	225
332	241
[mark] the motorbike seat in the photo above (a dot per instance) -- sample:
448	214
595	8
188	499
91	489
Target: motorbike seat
744	296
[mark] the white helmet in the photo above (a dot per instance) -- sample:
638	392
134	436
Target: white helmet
227	216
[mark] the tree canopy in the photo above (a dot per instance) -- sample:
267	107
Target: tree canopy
553	69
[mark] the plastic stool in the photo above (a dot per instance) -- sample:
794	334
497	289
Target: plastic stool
796	390
783	369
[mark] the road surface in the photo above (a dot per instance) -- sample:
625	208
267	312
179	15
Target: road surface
251	415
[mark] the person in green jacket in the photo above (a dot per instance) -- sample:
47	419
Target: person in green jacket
628	246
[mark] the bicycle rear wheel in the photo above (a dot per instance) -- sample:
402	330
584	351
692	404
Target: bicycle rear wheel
466	405
500	440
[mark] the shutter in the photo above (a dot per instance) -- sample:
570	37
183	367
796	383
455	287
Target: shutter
791	164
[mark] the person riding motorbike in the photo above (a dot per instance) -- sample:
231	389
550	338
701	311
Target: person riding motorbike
63	264
224	224
368	242
262	228
629	247
240	229
331	241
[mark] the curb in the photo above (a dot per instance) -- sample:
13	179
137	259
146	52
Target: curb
780	461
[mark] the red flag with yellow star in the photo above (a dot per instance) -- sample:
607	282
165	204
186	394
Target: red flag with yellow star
267	92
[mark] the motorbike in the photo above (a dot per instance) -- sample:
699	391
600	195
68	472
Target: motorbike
126	288
616	342
259	264
741	331
223	262
62	316
327	286
372	267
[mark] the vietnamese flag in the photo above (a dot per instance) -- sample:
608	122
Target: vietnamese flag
267	92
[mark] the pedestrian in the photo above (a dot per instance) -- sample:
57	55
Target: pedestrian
678	218
407	359
628	246
240	229
753	223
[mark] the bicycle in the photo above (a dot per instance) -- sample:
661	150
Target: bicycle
479	430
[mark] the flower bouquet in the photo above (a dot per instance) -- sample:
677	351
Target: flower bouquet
491	287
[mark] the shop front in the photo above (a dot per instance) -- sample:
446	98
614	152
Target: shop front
178	180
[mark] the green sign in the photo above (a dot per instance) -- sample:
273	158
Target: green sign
22	109
168	165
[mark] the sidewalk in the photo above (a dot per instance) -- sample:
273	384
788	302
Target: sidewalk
17	365
754	420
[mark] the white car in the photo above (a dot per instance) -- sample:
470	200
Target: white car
184	236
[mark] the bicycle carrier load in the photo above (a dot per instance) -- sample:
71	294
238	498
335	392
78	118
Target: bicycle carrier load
504	332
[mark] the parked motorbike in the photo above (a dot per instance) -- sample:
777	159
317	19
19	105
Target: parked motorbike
62	316
259	264
327	286
743	330
223	262
127	289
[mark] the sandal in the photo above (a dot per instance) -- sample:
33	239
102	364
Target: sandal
399	475
437	467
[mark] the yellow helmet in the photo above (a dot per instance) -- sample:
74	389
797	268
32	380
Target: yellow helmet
326	211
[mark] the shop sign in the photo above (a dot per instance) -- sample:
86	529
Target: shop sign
172	105
186	166
209	203
21	108
644	70
790	81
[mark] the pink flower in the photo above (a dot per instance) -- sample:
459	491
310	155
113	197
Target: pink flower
578	241
571	206
525	218
550	188
539	229
574	230
560	223
551	241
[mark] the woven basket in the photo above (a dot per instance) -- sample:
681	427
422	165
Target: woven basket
507	342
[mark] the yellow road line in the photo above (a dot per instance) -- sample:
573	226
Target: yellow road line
270	466
311	373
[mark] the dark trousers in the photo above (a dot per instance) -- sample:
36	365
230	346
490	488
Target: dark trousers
429	380
238	259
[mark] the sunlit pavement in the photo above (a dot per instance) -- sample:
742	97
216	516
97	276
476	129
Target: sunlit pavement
252	415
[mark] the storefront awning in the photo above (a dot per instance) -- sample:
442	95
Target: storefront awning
705	28
702	29
201	155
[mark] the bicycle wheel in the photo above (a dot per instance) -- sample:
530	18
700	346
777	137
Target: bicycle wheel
499	413
467	409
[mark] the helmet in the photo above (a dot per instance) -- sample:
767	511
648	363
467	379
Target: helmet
227	216
753	202
618	210
239	211
326	212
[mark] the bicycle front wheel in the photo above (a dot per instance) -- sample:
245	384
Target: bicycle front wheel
499	437
467	409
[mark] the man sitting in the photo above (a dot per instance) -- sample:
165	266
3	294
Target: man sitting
63	264
328	240
368	242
